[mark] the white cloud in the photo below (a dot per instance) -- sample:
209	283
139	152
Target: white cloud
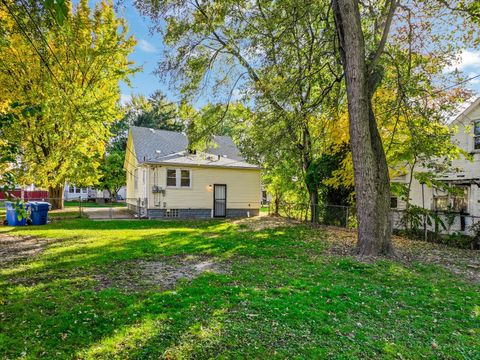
124	99
145	46
466	59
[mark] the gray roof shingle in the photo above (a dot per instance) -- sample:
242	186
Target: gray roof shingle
170	147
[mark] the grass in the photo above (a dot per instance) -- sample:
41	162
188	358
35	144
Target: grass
284	297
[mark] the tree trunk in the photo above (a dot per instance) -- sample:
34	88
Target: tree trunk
55	195
310	181
314	206
277	205
372	183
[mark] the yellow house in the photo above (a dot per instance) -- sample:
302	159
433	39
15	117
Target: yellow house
166	180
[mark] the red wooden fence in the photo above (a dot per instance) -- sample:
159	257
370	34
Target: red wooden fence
27	194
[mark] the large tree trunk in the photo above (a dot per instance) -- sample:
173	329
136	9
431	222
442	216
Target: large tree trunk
372	183
55	195
276	210
313	194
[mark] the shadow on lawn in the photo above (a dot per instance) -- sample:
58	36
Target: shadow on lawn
57	309
282	298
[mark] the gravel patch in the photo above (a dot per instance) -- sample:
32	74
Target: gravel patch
16	248
260	223
141	275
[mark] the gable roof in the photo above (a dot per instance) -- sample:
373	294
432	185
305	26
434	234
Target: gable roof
170	147
464	109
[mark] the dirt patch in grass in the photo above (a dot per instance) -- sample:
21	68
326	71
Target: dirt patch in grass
141	275
462	262
260	223
15	248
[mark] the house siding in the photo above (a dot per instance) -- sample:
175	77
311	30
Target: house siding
464	170
243	188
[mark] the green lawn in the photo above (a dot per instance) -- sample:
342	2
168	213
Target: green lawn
279	295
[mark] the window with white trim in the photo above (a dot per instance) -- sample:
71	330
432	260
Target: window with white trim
476	135
71	189
171	177
185	178
179	178
457	202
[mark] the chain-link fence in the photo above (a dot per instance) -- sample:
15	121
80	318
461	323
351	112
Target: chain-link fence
458	229
93	208
322	214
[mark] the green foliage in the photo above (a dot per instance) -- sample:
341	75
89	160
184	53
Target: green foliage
155	112
113	174
59	9
415	216
21	210
64	101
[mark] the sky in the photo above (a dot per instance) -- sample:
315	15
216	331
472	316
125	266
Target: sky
148	53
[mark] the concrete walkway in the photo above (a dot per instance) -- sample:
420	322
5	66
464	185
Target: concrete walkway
98	213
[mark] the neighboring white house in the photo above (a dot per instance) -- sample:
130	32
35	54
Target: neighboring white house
465	175
73	192
166	180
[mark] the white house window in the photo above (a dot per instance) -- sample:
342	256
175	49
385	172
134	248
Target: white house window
185	178
178	178
454	202
171	177
476	133
77	190
71	189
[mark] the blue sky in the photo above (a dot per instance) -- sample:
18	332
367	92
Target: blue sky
148	53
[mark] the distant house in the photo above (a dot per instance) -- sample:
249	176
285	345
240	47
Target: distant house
465	175
73	193
166	180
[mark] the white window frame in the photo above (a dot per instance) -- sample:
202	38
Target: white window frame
166	178
475	135
178	178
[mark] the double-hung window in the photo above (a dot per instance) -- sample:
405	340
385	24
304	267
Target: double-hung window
179	178
185	178
476	134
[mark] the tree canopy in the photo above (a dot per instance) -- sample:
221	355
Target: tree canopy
288	63
61	85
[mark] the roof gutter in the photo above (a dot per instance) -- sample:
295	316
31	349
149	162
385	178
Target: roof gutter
201	165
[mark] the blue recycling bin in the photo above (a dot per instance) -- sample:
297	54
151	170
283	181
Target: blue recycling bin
12	215
39	212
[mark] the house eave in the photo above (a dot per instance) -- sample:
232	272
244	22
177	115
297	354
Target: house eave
177	164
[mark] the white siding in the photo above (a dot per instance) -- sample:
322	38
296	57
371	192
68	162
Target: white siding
243	188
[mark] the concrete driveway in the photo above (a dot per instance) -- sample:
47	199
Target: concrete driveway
98	213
